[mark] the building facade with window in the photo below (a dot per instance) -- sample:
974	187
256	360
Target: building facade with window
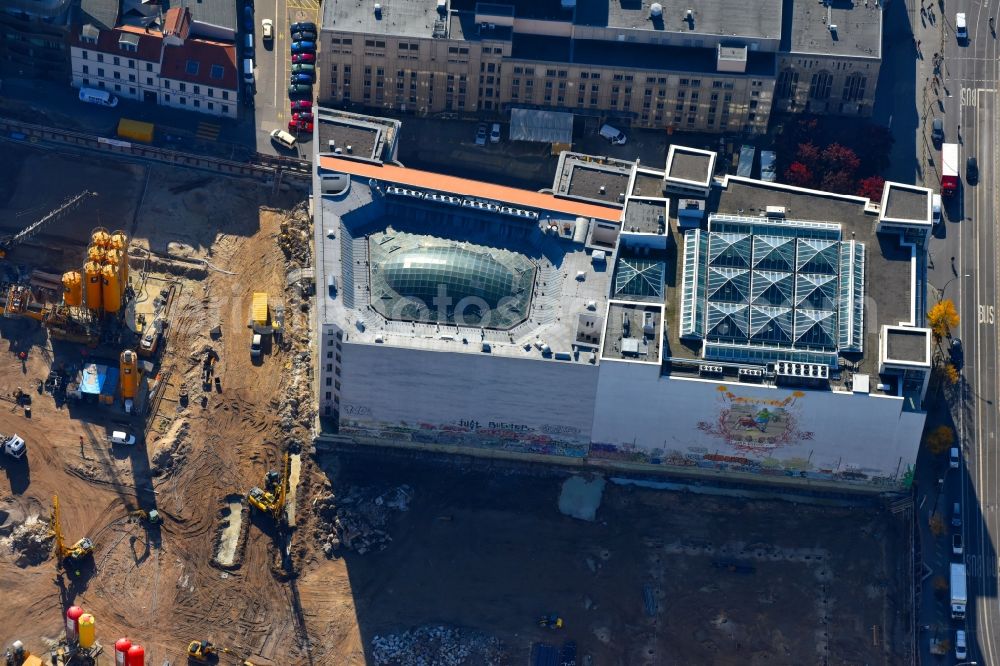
713	68
33	37
163	66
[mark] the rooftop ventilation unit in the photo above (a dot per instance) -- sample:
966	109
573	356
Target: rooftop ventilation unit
802	370
709	369
378	10
775	211
751	374
656	10
648	323
442	6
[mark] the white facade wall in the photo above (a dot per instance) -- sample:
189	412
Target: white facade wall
203	99
619	412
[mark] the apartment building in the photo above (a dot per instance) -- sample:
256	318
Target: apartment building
714	67
33	37
161	63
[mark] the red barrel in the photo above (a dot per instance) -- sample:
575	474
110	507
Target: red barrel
73	623
136	656
121	651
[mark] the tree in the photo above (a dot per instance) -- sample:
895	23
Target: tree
840	158
939	440
840	181
936	523
949	373
943	318
799	174
871	187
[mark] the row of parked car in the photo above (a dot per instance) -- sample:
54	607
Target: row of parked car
300	85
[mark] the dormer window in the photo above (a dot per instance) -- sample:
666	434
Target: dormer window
129	43
89	34
217	72
192	67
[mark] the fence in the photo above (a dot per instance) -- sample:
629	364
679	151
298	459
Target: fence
260	167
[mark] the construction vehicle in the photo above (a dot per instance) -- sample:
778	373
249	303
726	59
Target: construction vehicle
204	652
271	500
67	555
152	516
18	655
13	445
10	241
208	368
552	621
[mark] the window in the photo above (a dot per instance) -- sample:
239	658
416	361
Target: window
716	84
86	82
166	98
211	92
183	101
854	87
225	95
183	87
84	54
149	67
225	109
819	87
117	60
753	104
149	80
498	50
117	75
86	70
131	63
216	72
118	87
100	57
197	103
192	67
211	106
695	83
685	82
131	91
550	72
197	90
100	71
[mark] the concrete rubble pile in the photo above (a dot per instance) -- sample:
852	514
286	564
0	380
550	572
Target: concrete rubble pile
295	237
359	520
297	407
436	646
31	542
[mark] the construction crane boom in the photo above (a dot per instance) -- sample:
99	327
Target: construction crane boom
32	229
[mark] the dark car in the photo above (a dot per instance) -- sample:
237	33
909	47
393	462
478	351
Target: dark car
248	18
957	353
303	78
972	171
248	93
304	25
303	68
303	47
297	90
937	131
302	105
304	36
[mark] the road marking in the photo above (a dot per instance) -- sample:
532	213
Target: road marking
970	96
986	314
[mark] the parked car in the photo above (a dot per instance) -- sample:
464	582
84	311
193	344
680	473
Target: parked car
956	543
304	57
937	131
303	115
122	437
303	78
248	93
303	68
956	514
481	134
936	208
255	341
301	105
961	651
299	90
614	135
495	133
957	353
248	18
972	171
285	140
304	36
953	458
303	47
303	25
267	29
297	126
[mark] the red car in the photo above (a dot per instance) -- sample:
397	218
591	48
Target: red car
300	126
303	116
300	105
304	57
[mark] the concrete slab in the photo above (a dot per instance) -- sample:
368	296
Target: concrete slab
580	498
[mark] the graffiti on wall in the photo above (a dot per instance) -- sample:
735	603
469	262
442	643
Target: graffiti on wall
756	425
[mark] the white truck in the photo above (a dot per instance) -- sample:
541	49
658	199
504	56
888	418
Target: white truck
13	445
959	594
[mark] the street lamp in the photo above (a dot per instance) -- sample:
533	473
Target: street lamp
941	294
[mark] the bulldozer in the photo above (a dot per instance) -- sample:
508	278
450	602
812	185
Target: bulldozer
204	652
271	498
151	517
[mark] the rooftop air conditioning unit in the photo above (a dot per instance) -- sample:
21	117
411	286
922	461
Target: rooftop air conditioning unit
656	10
775	211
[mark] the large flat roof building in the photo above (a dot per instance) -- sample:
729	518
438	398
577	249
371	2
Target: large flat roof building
719	66
767	331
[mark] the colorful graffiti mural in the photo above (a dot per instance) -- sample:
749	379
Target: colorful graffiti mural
755	425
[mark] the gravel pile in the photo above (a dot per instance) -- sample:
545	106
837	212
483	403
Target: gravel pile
359	520
437	646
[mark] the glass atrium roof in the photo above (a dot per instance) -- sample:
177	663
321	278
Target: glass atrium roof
422	278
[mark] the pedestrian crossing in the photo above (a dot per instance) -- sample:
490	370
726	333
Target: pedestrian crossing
307	5
208	131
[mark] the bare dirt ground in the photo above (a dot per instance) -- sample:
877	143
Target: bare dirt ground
394	557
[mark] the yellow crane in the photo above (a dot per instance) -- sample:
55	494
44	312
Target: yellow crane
74	553
271	498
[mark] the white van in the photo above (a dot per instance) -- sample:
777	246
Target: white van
936	208
122	437
961	30
95	96
248	70
283	138
613	135
248	45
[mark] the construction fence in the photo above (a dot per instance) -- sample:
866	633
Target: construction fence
260	167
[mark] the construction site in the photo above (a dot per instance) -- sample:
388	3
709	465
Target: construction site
162	500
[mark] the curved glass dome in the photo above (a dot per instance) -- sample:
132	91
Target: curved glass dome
419	278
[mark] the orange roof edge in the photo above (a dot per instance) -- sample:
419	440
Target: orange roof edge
472	188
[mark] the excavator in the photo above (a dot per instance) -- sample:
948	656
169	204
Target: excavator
67	555
204	652
152	517
271	498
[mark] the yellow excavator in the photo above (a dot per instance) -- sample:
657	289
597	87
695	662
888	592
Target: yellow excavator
67	555
204	652
271	498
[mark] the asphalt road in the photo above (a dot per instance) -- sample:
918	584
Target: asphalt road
970	75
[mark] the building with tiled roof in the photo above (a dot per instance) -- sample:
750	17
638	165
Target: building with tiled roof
163	66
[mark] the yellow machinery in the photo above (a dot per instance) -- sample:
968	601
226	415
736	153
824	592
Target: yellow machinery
152	517
271	499
128	367
73	289
203	652
78	550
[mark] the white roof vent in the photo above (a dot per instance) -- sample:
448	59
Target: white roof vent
442	6
656	10
378	10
